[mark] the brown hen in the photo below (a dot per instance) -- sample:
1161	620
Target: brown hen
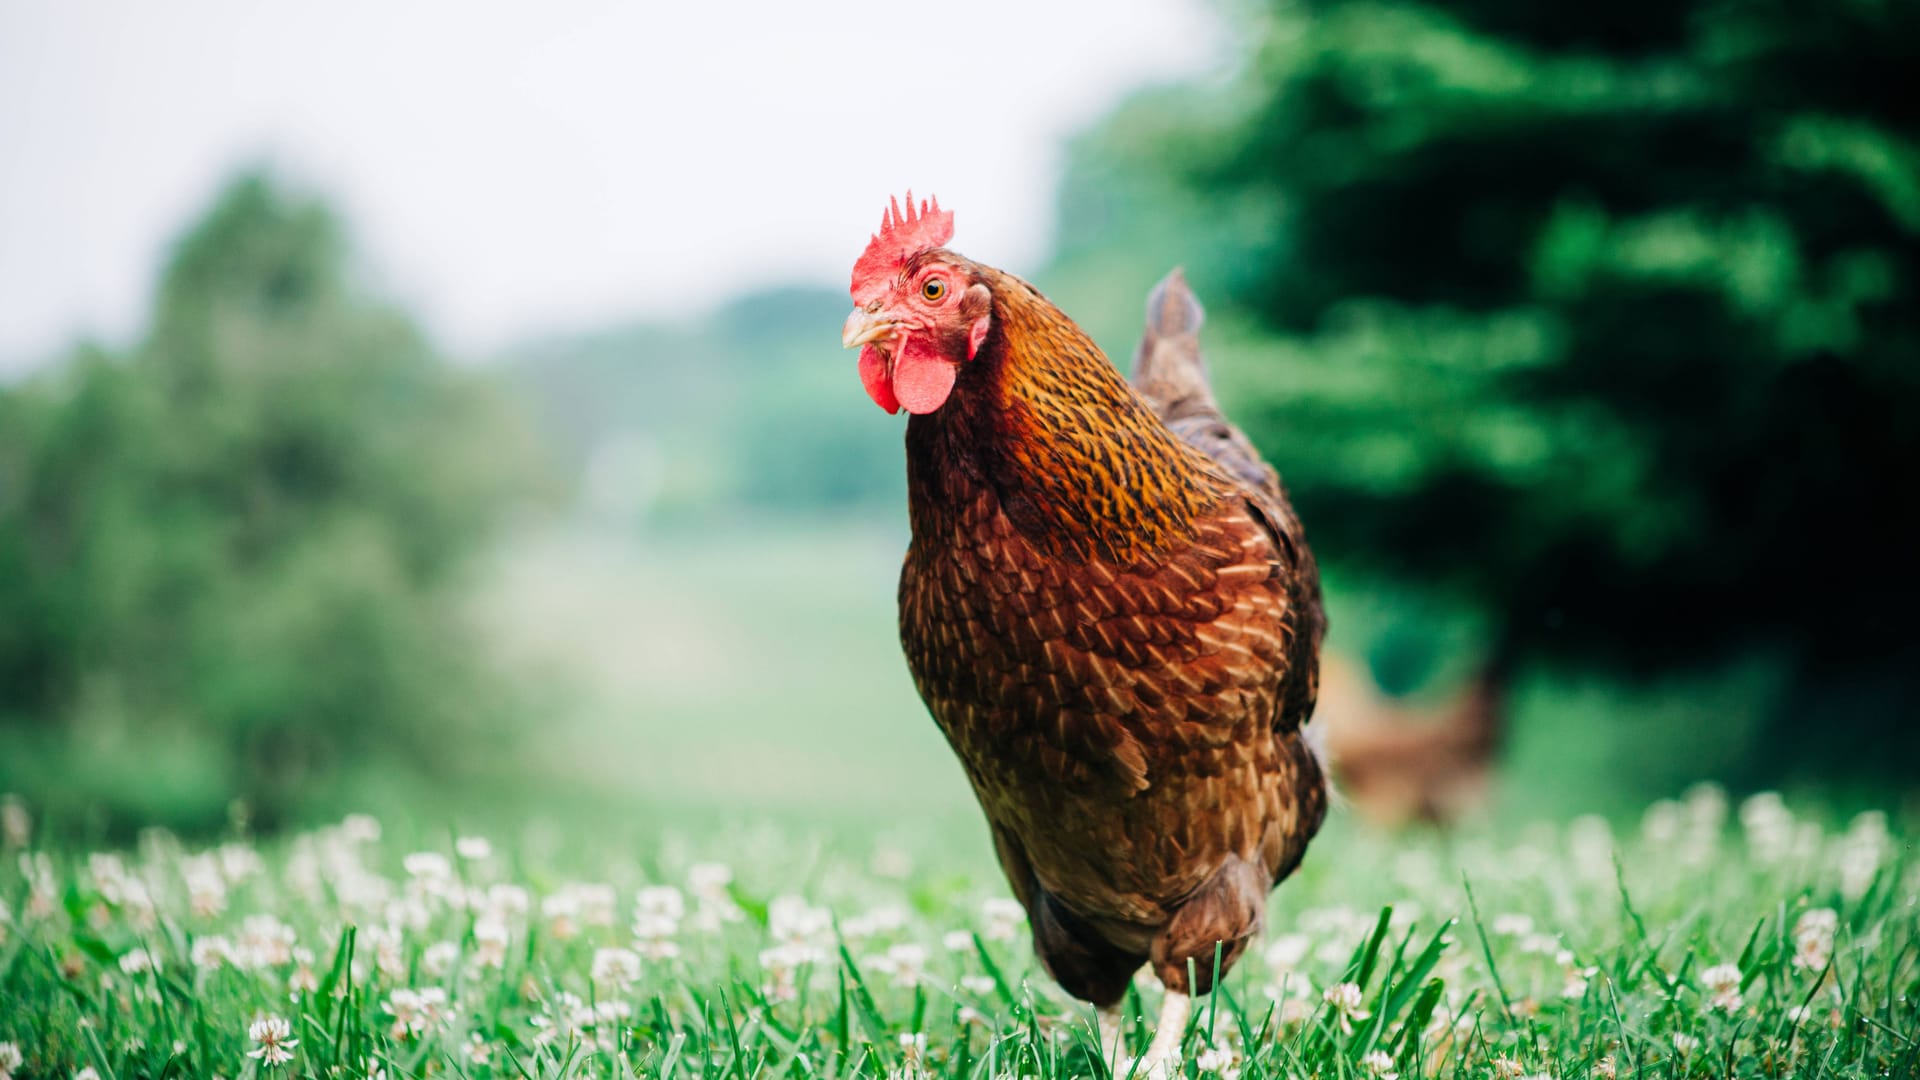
1109	608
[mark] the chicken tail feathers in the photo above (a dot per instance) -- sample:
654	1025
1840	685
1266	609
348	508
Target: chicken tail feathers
1171	374
1167	368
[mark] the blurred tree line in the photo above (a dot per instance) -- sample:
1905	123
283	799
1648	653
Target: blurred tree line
740	412
230	556
1594	322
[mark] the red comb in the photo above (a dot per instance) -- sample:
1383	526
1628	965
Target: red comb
901	237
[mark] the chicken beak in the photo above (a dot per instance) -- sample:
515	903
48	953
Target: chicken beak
864	326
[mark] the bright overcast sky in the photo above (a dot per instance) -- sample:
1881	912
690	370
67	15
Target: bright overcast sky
513	169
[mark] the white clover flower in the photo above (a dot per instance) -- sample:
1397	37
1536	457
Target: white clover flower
206	885
380	947
905	963
10	1059
1661	822
473	848
265	941
791	919
1722	983
1684	1043
597	1024
429	867
87	1073
1286	952
1224	1063
562	913
598	903
616	968
1768	825
479	1051
891	863
360	828
1295	997
1346	999
957	941
16	827
880	920
1513	925
1862	850
273	1034
120	889
506	901
1813	935
1578	980
1605	1069
411	912
660	902
913	1045
209	952
239	862
109	875
302	980
782	964
1003	918
978	984
1590	841
653	936
656	919
1507	1068
1379	1063
43	884
439	959
138	960
1540	944
709	880
416	1012
657	948
490	942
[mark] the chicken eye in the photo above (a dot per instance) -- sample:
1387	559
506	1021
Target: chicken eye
934	289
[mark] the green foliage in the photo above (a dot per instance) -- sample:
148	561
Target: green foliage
1598	320
1688	947
228	558
752	407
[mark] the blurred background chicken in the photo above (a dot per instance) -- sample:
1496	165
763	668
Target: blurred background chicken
1398	763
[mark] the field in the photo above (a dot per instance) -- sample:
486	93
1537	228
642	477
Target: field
1707	940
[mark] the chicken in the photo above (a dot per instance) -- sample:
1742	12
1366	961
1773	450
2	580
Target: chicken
1110	610
1400	765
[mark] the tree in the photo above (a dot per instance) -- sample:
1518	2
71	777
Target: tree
230	560
1600	316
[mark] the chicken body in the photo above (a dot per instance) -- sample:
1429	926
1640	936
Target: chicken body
1117	627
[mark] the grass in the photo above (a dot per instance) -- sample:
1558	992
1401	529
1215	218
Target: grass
1707	941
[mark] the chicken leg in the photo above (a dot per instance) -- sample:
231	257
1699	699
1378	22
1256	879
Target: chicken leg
1163	1054
1110	1034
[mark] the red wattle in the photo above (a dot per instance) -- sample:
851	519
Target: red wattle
873	376
922	378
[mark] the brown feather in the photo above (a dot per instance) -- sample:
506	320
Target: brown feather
1118	631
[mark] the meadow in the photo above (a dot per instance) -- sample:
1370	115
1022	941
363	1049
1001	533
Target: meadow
1709	939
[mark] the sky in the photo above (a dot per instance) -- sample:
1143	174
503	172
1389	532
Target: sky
513	170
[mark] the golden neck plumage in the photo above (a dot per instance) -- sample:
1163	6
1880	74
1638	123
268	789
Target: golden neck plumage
1042	422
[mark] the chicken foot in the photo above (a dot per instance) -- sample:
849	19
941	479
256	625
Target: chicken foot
1163	1054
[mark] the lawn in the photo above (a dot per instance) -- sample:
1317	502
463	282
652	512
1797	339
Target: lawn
1708	939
